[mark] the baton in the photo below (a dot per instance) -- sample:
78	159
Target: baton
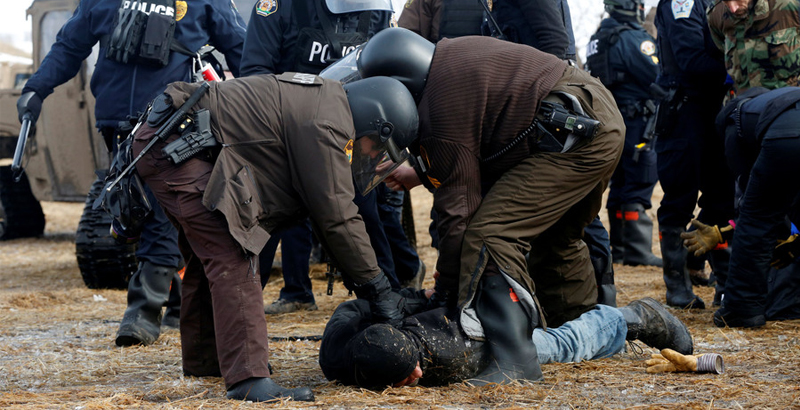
16	164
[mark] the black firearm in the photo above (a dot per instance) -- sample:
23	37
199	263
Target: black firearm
167	129
663	118
192	142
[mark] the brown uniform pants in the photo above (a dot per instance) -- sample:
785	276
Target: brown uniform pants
223	328
541	206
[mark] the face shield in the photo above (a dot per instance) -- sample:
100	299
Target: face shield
344	70
350	6
374	160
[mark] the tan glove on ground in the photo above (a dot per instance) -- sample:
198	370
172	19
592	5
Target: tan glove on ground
672	361
704	238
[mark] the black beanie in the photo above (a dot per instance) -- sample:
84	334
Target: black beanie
381	356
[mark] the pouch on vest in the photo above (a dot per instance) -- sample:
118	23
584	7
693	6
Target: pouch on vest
141	37
157	39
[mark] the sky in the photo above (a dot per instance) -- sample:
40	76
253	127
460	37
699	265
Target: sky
14	27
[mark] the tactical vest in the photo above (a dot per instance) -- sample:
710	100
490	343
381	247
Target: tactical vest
460	18
597	55
143	33
321	47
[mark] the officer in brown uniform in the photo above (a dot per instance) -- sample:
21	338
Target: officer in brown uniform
286	144
509	179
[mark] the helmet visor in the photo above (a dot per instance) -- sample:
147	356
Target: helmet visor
345	69
349	6
372	161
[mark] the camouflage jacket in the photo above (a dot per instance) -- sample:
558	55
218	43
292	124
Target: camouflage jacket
761	49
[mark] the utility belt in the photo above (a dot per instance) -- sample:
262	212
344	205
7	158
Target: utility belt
638	108
556	128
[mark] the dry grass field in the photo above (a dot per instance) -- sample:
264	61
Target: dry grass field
57	349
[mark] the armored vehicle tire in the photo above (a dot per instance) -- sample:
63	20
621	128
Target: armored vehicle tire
21	214
104	264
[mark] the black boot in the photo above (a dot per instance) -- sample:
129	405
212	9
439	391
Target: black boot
508	330
264	389
148	289
172	313
615	235
637	234
649	322
676	276
719	260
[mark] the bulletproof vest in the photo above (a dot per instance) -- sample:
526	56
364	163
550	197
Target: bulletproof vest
597	55
319	48
460	18
143	32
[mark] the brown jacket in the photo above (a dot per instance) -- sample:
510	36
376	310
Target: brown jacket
284	156
480	94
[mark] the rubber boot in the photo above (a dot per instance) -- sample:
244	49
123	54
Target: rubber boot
172	312
719	260
676	276
148	290
264	389
651	323
615	235
508	330
637	234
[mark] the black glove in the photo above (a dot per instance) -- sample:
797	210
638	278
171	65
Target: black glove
443	296
415	301
29	104
386	305
786	252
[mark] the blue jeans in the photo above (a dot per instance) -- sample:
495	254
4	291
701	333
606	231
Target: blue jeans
596	334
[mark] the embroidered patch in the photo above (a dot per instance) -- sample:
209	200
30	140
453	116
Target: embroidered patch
647	48
348	149
180	10
266	7
682	9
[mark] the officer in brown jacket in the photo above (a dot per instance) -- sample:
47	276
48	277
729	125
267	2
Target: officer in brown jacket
509	179
286	149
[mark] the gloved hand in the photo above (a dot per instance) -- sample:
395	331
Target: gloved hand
704	238
786	252
672	361
29	103
386	306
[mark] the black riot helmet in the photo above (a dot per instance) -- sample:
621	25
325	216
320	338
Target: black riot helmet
626	10
393	52
400	54
386	121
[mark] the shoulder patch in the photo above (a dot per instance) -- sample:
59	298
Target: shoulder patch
647	47
300	78
180	10
266	7
408	4
348	150
682	9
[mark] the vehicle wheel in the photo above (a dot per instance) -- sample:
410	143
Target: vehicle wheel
21	214
104	264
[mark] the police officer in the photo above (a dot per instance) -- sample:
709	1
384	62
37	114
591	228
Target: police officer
437	19
278	134
125	78
762	143
306	36
504	186
623	56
